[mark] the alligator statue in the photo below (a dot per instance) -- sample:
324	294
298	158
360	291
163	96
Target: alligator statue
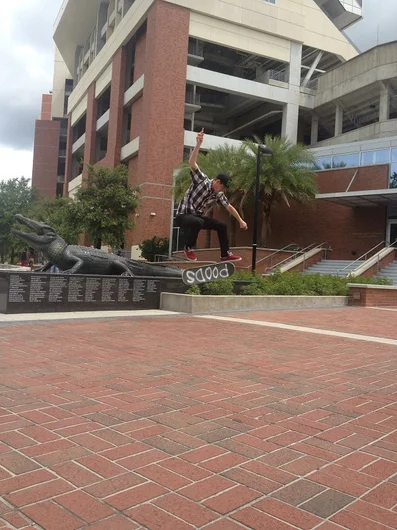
76	259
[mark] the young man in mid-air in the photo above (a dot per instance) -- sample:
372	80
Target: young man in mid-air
202	193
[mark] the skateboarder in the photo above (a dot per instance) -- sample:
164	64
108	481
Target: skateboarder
202	193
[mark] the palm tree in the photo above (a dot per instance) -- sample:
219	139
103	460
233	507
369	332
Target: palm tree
287	175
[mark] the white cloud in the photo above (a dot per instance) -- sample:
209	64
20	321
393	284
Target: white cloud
26	63
15	163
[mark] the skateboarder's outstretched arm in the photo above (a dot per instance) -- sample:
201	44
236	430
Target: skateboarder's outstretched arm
234	212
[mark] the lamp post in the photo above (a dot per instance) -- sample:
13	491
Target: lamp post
263	150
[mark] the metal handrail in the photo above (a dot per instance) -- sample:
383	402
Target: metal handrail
303	251
284	249
361	257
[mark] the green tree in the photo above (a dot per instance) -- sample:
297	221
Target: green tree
15	197
104	204
61	213
285	176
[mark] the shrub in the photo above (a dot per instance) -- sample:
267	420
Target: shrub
218	287
194	289
292	284
150	247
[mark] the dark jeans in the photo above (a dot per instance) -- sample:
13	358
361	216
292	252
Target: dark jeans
192	224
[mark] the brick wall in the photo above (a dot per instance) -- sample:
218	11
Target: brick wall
90	129
45	157
46	107
373	296
68	162
349	231
116	110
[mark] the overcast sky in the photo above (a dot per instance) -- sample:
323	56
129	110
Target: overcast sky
26	66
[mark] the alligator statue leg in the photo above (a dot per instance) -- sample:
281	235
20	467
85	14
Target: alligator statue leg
76	267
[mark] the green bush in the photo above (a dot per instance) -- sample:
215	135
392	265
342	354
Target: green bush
292	284
157	245
194	289
218	287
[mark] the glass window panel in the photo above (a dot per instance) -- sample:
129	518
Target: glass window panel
381	156
394	155
323	162
348	160
393	176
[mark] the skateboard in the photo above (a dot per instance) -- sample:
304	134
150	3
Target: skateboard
208	273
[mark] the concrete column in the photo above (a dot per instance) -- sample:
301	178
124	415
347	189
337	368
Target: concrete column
115	131
289	126
314	129
384	102
338	120
294	68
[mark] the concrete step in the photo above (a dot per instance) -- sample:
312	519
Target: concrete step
331	267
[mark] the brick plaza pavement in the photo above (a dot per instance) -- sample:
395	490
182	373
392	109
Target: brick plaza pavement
179	422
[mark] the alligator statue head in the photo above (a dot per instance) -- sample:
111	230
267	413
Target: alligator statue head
41	237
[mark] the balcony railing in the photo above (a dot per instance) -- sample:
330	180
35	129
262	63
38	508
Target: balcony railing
277	75
193	99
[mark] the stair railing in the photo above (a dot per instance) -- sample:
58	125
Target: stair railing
300	252
387	246
364	256
271	256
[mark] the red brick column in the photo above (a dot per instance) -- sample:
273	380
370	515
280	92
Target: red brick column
160	129
45	157
139	70
90	129
117	91
68	160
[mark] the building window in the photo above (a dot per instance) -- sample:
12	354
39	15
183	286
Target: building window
394	155
348	160
270	1
323	162
381	156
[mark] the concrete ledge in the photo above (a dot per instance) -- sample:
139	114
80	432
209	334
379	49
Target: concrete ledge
185	303
370	286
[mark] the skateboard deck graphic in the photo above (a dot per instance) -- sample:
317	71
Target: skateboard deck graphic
208	273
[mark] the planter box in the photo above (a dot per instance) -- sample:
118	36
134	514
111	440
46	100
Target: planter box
185	303
362	295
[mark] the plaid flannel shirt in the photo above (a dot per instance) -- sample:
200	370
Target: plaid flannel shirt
200	195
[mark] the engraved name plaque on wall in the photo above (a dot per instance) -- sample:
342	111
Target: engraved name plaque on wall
38	289
18	289
28	292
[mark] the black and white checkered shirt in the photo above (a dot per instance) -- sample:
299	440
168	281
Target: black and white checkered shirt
200	195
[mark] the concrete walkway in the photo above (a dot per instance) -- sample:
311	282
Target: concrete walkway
266	421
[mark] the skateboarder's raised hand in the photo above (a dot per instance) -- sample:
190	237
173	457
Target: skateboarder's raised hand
200	137
193	156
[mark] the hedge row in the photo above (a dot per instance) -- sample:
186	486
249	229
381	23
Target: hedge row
283	284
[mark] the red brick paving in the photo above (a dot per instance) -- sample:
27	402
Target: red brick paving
169	423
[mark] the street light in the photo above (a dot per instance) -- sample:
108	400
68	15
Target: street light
263	150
